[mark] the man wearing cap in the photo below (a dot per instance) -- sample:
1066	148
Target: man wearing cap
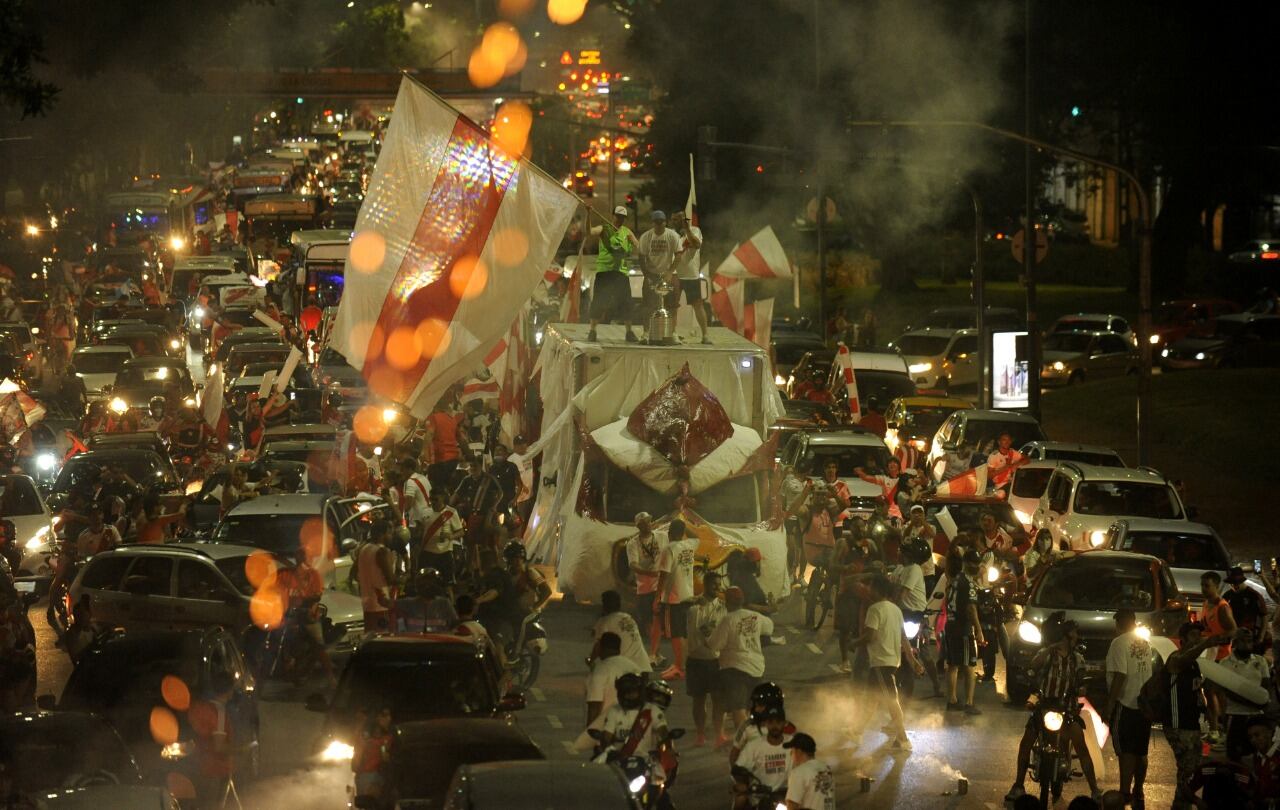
1247	606
689	267
611	295
810	785
658	252
737	639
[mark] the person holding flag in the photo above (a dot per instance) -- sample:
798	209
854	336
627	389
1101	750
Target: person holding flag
611	295
688	264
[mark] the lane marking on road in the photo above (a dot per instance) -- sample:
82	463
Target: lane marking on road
537	694
569	746
814	648
554	721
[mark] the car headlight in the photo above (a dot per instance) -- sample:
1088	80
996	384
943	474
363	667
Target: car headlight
1097	537
1143	632
1199	355
1022	517
46	461
35	330
911	629
1154	340
1164	352
1058	365
636	785
1053	721
198	312
779	380
38	539
175	750
177	242
338	751
389	415
919	444
119	405
1029	633
175	343
919	368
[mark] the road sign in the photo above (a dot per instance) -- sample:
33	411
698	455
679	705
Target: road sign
1042	245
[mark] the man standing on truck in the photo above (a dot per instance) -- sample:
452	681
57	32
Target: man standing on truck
658	250
611	295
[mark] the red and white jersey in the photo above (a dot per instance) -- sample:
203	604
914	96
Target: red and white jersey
997	464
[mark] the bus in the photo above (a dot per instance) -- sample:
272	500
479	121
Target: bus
165	218
320	259
273	218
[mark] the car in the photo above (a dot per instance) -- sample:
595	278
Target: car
244	353
997	318
580	183
312	452
500	785
141	379
788	347
1256	250
806	454
297	433
420	677
1238	341
880	374
96	366
248	334
205	508
1026	484
73	759
954	514
147	468
31	347
1073	357
143	339
284	525
181	585
916	419
1188	317
428	752
332	372
980	428
1070	451
939	358
800	416
142	440
1081	502
1089	587
1095	322
32	520
1189	549
189	272
124	675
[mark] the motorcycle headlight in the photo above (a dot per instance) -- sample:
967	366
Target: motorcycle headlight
779	380
1029	633
636	785
175	343
177	242
1097	537
119	405
338	751
911	629
38	539
919	368
1164	352
389	415
175	750
46	462
198	312
1053	721
1154	340
993	573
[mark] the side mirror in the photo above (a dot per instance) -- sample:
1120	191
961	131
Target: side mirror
46	703
316	703
512	702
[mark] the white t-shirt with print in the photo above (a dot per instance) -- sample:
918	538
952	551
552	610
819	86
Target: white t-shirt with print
600	680
659	250
688	265
738	641
624	626
885	647
767	762
643	556
619	722
1130	655
676	561
812	786
704	618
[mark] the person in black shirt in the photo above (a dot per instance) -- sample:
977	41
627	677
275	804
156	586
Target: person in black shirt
962	634
1182	709
506	474
499	600
1247	606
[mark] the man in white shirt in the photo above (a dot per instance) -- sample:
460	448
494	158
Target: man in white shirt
675	592
441	527
632	726
884	639
810	785
737	639
1000	462
657	252
523	461
702	673
764	758
1129	666
1254	669
604	671
643	552
617	621
688	267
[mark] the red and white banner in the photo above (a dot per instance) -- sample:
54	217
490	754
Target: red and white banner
478	389
510	363
844	364
973	482
760	257
432	279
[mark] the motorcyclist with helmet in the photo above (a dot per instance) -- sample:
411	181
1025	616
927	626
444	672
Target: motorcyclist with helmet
96	419
635	726
763	763
530	587
153	417
910	595
765	696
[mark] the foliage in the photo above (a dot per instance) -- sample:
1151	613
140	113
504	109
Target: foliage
23	48
373	35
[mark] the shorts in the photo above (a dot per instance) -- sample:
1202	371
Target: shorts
611	296
676	620
961	649
692	289
1130	732
735	688
644	609
882	679
702	677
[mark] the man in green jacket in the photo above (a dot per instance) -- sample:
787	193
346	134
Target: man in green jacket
611	295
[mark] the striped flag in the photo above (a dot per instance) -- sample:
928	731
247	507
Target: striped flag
844	364
432	280
760	257
973	482
476	388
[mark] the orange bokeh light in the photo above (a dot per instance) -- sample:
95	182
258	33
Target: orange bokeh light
369	425
565	12
512	9
164	726
175	693
311	538
510	246
511	127
180	786
483	69
385	382
260	569
266	608
368	249
433	337
516	63
468	278
500	41
404	350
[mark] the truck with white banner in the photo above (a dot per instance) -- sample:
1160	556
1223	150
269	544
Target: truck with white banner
676	431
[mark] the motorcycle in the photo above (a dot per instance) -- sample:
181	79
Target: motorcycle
649	775
1051	751
524	655
921	635
759	795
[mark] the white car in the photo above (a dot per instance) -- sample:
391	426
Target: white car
1027	485
1070	451
1082	501
21	505
1095	322
807	453
96	366
940	358
981	430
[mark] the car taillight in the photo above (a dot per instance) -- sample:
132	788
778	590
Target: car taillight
1270	255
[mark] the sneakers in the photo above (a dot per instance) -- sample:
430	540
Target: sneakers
902	743
1016	792
846	667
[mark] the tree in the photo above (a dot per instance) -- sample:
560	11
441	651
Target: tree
372	36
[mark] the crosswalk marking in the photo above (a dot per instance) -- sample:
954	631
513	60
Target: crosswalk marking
554	721
814	648
537	693
568	746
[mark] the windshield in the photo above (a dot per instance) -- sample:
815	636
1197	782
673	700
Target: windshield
145	469
138	219
238	358
98	362
871	458
951	319
1075	342
1085	583
49	753
1179	549
928	345
21	332
881	386
141	375
790	353
279	534
922	421
18	497
1077	325
967	517
983	432
1171	313
141	344
423	771
446	686
1127	498
1030	482
127	674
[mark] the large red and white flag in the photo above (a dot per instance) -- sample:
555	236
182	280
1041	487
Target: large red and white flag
453	236
844	367
972	482
760	257
510	363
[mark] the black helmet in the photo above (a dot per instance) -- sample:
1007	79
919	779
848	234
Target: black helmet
97	407
156	406
916	550
512	550
658	692
630	689
768	695
771	712
335	399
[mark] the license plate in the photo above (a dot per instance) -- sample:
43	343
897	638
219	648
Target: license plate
24	587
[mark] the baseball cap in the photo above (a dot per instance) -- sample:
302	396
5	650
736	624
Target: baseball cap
1236	574
657	215
621	211
804	742
915	507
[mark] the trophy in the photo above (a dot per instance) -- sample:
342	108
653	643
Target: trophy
662	325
